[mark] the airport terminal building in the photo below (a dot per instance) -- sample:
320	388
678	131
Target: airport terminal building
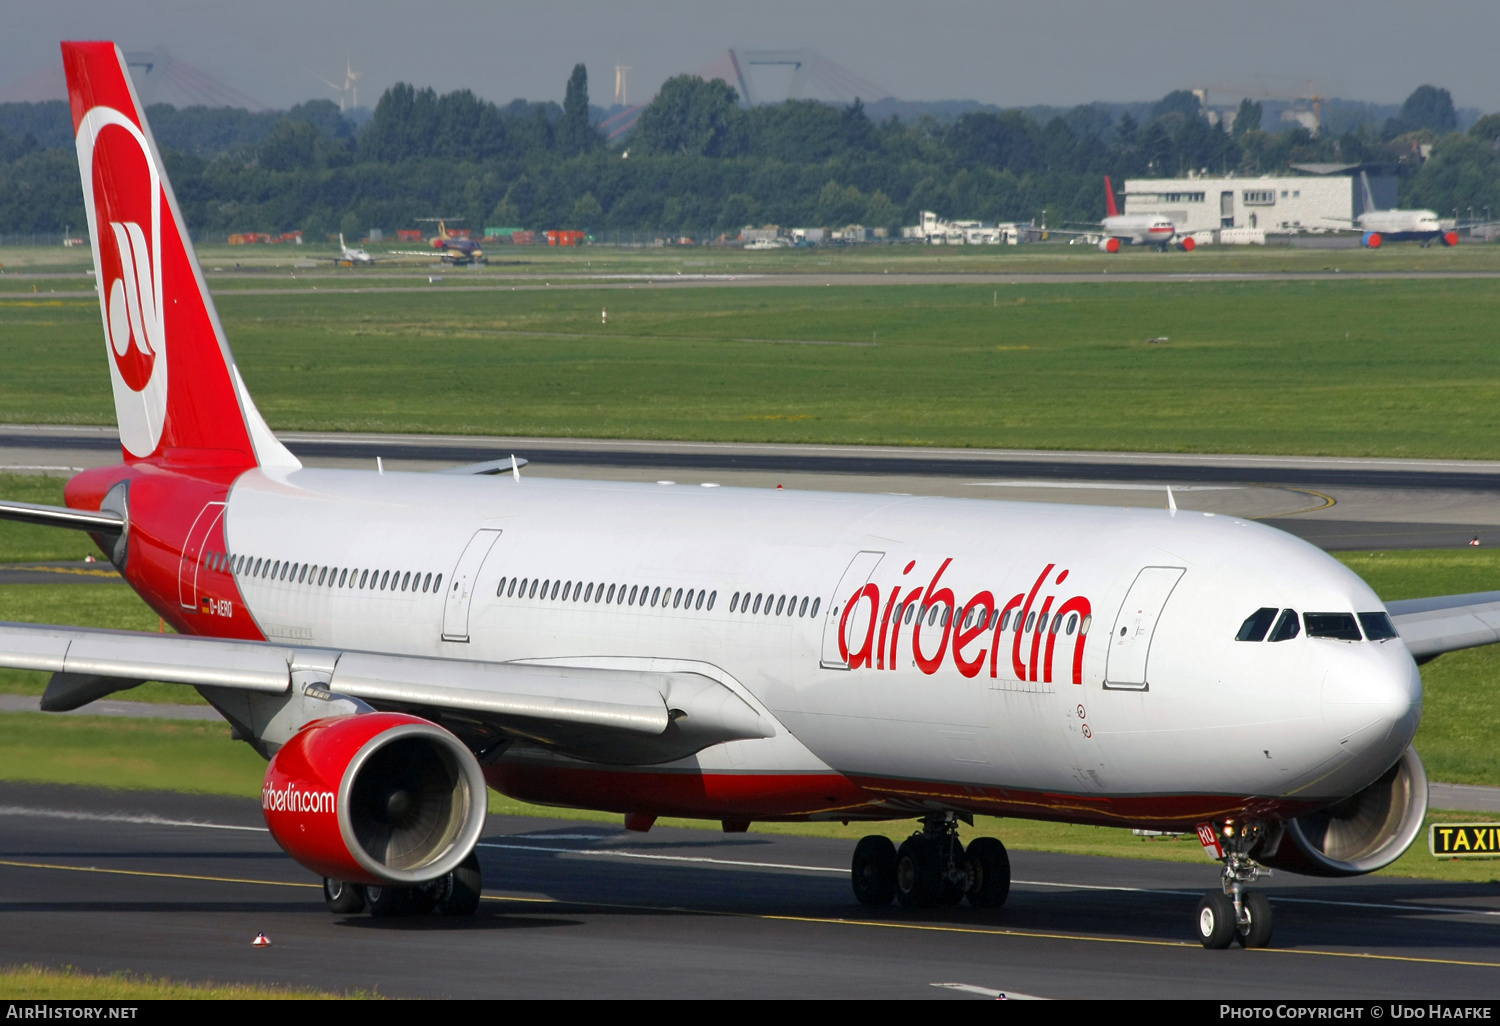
1324	197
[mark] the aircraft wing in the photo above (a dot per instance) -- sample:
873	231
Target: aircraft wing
1447	623
603	713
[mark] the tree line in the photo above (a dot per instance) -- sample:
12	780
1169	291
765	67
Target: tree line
697	162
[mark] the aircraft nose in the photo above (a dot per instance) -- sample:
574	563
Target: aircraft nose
1375	694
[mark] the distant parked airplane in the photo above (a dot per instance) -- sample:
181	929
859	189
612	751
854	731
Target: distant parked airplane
1378	226
1131	229
449	248
352	256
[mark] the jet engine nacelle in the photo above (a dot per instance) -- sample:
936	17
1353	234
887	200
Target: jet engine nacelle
1364	832
1449	238
1371	239
375	798
1187	244
1109	245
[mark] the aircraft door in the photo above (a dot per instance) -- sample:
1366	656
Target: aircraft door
1130	642
1226	209
856	576
192	554
461	585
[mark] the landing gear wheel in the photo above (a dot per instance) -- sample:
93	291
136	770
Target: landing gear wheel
1216	925
1258	908
458	892
389	902
988	867
343	899
919	872
874	871
951	854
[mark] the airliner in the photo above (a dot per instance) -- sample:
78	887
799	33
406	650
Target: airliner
1134	229
1377	226
394	644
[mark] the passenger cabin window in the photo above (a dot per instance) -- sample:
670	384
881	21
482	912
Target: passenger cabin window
1338	626
1288	627
1256	624
1378	626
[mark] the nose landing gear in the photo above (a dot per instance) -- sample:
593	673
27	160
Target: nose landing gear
1235	913
931	868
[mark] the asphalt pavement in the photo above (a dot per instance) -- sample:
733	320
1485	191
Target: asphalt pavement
178	885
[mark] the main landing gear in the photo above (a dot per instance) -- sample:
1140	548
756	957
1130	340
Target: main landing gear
931	868
1235	913
456	894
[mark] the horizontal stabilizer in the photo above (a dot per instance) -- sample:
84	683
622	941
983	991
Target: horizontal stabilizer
62	516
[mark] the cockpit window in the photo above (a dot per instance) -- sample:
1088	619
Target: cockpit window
1339	626
1378	626
1288	627
1256	624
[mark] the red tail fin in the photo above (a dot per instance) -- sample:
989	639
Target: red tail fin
175	383
1109	199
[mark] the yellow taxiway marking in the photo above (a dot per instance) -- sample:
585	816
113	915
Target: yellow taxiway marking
1043	935
76	571
817	920
1324	501
162	876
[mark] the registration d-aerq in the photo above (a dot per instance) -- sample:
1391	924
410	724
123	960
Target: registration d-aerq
396	643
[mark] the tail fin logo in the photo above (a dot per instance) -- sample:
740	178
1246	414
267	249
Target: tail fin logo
123	197
132	307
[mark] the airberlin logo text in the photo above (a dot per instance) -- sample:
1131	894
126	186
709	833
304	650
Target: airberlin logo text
978	634
289	799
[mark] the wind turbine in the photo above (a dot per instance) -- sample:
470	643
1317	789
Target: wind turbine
348	92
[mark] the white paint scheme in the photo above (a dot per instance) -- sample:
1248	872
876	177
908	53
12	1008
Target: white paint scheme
351	255
1140	229
1307	718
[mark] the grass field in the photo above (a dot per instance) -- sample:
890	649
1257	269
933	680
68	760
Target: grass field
34	983
1349	368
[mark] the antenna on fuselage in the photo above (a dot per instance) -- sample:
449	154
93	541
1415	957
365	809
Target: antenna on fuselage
515	468
1171	500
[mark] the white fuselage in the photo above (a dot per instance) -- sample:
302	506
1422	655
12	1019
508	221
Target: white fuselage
1399	222
1140	229
1200	714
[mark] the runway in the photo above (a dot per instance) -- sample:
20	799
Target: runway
178	885
1337	503
448	279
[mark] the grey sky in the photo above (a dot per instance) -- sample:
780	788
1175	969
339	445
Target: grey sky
1004	52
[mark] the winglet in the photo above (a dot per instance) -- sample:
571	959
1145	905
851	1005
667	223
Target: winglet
1171	500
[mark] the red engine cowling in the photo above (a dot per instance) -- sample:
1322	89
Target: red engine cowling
1188	244
377	798
1109	245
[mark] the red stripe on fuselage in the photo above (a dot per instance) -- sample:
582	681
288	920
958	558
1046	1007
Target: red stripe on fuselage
687	793
1157	812
800	796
